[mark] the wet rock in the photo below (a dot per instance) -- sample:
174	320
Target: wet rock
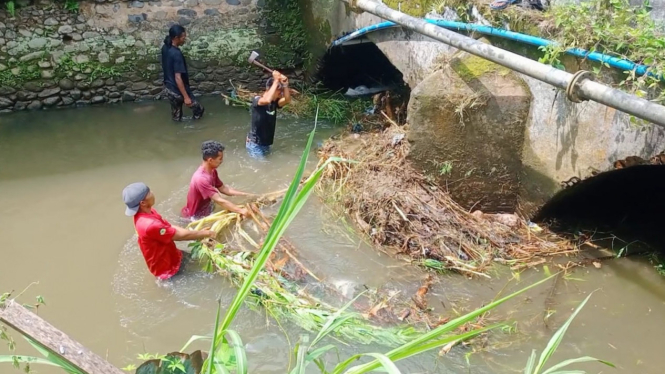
65	29
25	95
4	90
84	85
159	15
31	56
51	101
122	85
233	2
20	105
136	4
32	86
38	43
82	102
110	82
101	91
211	12
97	83
139	86
98	99
199	77
80	77
5	103
155	90
128	96
114	95
66	84
86	95
187	13
34	105
212	2
66	101
75	94
103	57
49	92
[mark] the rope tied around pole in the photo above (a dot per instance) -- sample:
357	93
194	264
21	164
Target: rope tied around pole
574	85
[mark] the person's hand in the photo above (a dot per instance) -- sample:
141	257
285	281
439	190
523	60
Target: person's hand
276	75
284	80
244	212
209	233
188	101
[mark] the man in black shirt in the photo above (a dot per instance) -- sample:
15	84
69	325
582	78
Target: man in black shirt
176	79
264	114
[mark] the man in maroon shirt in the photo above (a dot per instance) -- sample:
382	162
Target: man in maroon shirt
156	235
206	187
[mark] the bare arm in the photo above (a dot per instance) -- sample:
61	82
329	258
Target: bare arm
287	93
226	190
225	204
181	87
269	95
184	234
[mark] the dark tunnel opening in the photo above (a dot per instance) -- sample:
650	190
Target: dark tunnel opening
358	70
625	207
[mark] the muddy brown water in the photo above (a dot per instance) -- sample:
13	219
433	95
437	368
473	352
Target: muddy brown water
62	225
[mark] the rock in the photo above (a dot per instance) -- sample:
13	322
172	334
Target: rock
47	74
486	144
25	96
82	102
128	96
2	41
103	57
155	90
31	56
120	60
67	101
49	92
113	101
25	33
212	2
187	13
38	43
10	35
2	26
114	95
20	105
261	3
51	22
136	4
34	105
123	85
51	101
139	86
4	90
207	86
16	71
137	18
86	95
65	29
199	77
90	35
233	2
98	99
5	103
211	12
75	94
66	84
56	43
97	83
510	220
76	37
3	67
191	3
32	86
44	64
159	15
84	47
80	77
84	85
101	91
81	59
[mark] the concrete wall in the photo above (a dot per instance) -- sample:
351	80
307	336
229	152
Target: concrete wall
109	51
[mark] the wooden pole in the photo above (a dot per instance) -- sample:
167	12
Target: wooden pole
55	341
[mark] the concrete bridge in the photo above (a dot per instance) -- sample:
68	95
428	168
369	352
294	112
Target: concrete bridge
507	138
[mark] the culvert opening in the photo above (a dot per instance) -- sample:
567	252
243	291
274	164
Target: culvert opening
358	70
622	208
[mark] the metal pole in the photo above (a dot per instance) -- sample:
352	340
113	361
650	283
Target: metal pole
577	86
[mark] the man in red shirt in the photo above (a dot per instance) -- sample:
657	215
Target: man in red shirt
156	235
206	187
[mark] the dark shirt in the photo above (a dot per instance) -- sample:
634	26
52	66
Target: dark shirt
264	119
174	62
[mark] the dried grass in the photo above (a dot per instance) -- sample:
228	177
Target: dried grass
399	210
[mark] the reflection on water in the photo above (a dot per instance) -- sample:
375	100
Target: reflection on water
61	177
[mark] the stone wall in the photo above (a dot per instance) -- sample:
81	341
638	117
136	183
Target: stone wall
108	51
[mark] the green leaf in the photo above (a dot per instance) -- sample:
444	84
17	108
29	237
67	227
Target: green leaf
334	321
528	369
556	339
575	361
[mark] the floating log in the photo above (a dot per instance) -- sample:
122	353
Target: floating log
55	341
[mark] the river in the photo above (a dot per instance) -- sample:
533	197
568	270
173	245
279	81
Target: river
61	177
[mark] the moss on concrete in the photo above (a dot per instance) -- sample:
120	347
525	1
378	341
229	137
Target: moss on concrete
472	67
416	8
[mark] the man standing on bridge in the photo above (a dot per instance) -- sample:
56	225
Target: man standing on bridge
176	78
156	235
206	186
264	114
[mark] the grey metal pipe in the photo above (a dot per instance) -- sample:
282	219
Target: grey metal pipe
583	88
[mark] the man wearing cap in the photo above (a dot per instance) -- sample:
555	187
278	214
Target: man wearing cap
264	114
156	235
206	187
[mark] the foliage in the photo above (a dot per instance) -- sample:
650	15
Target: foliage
16	74
332	106
291	50
94	70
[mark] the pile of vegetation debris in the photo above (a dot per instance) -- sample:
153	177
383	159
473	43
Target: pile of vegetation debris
400	211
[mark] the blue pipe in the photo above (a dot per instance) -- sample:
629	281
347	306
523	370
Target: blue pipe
624	65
